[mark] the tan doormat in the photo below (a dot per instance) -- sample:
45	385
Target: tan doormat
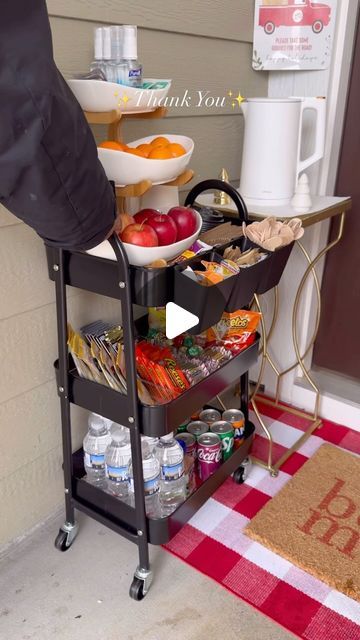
314	521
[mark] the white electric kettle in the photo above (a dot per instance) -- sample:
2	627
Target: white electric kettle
271	153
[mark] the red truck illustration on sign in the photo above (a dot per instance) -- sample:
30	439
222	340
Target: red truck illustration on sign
294	14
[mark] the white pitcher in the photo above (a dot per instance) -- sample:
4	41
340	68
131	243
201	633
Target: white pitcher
271	153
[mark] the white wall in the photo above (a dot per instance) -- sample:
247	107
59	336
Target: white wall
331	83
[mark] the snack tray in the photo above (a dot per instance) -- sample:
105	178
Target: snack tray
159	419
119	516
155	287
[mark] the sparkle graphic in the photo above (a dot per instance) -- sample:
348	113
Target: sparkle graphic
233	104
116	94
239	99
125	99
230	93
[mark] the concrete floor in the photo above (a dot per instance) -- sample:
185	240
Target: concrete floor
83	594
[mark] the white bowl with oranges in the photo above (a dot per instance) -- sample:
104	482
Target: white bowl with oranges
156	158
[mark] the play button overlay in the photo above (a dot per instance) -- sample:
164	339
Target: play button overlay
178	320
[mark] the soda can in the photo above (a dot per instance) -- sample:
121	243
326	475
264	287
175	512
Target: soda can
209	416
225	431
237	419
183	426
197	428
209	455
190	443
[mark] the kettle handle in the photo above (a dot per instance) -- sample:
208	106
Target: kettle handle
318	105
205	185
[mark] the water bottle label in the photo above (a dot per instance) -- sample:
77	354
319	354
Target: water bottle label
151	486
172	472
94	461
135	73
116	474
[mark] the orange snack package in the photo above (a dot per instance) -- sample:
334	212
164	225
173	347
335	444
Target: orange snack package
234	327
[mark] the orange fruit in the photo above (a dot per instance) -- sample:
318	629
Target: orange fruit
160	153
111	144
176	149
145	149
160	141
135	152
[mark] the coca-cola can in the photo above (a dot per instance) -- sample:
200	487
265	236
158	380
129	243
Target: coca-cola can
237	419
209	454
190	443
197	428
209	416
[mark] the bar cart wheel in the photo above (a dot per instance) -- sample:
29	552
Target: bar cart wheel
241	473
140	584
137	589
66	536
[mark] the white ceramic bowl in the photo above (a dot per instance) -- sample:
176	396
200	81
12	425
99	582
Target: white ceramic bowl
142	256
126	168
99	96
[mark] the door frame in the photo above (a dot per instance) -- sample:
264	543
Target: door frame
335	83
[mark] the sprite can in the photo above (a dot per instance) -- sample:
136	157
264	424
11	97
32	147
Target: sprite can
237	419
183	426
225	431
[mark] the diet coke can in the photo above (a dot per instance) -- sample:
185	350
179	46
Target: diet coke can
209	455
237	419
209	416
190	443
197	428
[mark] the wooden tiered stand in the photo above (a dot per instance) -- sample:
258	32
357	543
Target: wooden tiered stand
114	119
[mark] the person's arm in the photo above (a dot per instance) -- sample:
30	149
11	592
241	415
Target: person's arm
50	176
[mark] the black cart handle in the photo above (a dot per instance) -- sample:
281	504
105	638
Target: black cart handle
205	185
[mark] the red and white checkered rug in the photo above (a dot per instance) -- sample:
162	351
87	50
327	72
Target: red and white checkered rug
213	541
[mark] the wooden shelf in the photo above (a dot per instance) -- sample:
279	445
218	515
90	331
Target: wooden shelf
114	119
137	190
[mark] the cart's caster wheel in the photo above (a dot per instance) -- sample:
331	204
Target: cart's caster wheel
137	589
66	536
274	473
241	473
141	583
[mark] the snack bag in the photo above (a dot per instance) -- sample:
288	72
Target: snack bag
234	329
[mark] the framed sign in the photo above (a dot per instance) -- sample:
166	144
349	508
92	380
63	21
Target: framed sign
293	34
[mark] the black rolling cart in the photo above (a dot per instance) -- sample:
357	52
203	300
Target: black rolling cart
146	287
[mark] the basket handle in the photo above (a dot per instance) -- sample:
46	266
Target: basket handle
205	185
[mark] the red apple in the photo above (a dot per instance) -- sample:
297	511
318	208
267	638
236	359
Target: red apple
164	227
144	215
185	219
140	234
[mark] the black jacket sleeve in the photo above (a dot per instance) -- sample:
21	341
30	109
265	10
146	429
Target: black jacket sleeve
50	176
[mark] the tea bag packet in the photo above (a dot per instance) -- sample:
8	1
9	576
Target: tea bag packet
84	362
95	352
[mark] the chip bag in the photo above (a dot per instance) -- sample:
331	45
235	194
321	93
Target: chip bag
234	328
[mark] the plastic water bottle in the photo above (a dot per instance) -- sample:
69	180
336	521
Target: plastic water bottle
95	444
117	459
172	481
152	442
151	473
